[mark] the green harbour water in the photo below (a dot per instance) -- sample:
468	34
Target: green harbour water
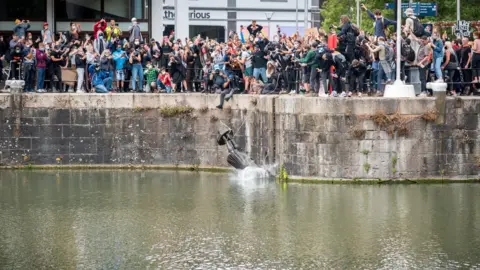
182	220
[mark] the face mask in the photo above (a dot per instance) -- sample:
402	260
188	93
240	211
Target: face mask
47	48
137	43
100	37
17	51
74	28
119	49
42	49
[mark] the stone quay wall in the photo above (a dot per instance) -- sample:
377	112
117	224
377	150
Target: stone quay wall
323	138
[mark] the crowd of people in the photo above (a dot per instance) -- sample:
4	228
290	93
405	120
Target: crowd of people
343	61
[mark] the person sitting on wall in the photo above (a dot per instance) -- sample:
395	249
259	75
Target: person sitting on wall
99	78
221	83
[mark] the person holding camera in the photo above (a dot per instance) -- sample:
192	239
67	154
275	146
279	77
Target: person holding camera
100	79
135	32
80	64
21	27
177	71
136	59
221	83
120	57
113	30
41	57
55	68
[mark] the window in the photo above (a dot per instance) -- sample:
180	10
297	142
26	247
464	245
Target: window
126	9
121	10
33	10
68	10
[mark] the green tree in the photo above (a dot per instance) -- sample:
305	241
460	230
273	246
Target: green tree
333	9
447	11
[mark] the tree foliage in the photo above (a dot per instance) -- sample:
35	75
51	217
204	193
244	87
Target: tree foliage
447	11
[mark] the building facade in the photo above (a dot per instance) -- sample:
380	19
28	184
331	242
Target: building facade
214	19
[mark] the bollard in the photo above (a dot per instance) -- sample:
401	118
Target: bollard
440	93
16	86
414	78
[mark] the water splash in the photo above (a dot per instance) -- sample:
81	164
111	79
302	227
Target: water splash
251	174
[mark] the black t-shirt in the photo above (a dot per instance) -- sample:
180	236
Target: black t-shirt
134	58
259	60
56	55
462	55
79	62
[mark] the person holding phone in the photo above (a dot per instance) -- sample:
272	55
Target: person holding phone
21	27
113	30
100	26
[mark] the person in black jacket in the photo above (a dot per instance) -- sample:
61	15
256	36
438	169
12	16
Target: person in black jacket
156	52
253	29
346	38
259	62
357	73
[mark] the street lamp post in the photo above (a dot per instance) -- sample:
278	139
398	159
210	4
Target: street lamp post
269	16
399	88
296	16
305	16
458	10
358	12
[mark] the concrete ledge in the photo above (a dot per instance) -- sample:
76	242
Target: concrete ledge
304	180
130	101
120	167
294	179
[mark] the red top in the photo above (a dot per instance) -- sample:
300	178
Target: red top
332	41
99	26
165	79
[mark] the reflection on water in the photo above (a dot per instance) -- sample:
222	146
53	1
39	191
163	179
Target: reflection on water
173	220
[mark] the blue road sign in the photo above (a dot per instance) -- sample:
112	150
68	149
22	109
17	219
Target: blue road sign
420	9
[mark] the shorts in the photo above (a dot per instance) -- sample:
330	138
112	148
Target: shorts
248	72
306	76
120	75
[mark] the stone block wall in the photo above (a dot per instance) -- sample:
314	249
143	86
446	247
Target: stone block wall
126	129
313	137
339	138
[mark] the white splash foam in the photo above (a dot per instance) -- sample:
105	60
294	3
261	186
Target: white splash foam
250	174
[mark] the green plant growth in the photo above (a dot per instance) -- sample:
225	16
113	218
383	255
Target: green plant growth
442	172
332	10
365	152
366	167
394	164
172	111
282	174
140	109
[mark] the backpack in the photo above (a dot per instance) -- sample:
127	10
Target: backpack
355	30
389	56
418	29
408	53
340	62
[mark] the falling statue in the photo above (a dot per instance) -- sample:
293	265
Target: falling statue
236	158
